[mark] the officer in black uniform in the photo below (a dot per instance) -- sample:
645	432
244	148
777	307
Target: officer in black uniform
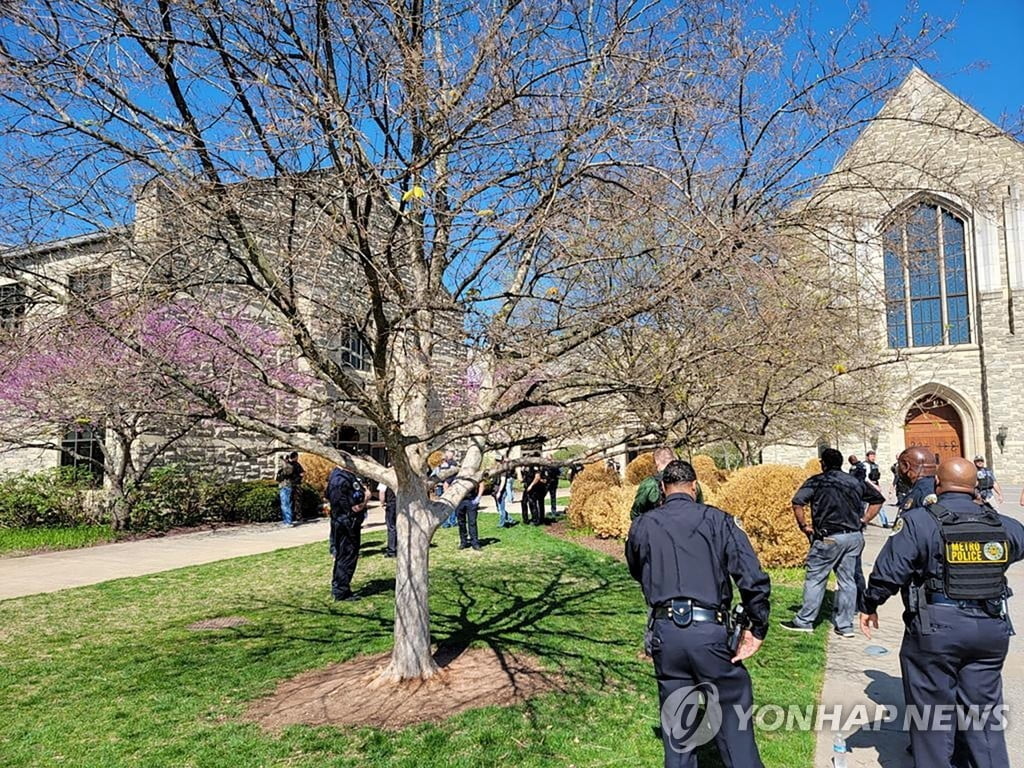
916	466
347	497
948	560
690	609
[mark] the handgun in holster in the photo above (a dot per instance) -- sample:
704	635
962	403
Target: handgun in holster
738	621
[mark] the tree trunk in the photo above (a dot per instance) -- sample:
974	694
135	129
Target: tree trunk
412	658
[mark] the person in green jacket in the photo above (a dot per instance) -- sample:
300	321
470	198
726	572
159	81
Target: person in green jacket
648	493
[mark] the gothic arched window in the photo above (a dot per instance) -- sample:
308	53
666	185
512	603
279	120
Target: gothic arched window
925	251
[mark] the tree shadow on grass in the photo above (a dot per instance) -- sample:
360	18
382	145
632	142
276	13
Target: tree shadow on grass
568	612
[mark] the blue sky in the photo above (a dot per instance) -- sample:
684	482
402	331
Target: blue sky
982	60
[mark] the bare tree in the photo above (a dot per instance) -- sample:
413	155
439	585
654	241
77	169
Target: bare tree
443	213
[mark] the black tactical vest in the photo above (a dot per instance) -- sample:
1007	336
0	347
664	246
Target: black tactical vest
986	480
975	554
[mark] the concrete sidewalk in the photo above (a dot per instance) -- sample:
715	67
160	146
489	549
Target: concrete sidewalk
856	676
53	571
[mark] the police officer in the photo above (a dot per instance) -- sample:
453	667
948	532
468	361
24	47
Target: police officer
916	466
858	468
987	485
690	607
948	560
347	497
874	473
874	476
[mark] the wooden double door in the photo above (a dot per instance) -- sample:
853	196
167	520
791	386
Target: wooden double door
935	424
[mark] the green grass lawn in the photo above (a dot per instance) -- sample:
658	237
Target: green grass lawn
19	540
110	676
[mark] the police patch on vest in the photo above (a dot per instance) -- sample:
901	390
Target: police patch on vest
897	526
975	552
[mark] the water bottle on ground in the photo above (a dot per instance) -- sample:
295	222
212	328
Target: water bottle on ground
839	752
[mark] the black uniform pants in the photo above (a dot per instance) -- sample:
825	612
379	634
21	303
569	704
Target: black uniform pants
524	503
960	663
346	533
391	523
697	655
467	515
537	497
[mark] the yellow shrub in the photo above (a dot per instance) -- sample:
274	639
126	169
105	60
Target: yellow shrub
760	499
317	470
594	478
607	511
709	475
640	468
813	465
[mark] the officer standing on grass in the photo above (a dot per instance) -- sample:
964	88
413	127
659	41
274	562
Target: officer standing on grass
689	611
948	560
348	499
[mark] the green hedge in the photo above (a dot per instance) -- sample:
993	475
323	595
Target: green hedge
174	496
53	498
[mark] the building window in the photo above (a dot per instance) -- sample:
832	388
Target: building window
353	350
90	285
925	262
348	438
82	448
13	304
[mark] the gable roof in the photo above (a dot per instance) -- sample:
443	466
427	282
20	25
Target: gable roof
918	87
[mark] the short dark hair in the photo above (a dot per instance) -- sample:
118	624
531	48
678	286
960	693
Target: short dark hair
293	455
831	459
678	472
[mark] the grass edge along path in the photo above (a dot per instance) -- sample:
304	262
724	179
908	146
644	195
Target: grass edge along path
110	675
25	541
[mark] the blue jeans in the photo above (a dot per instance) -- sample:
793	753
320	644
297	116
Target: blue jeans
841	553
286	504
499	500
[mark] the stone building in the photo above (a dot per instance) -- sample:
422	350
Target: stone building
923	217
179	236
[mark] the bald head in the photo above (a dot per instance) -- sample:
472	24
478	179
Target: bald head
956	476
916	462
663	457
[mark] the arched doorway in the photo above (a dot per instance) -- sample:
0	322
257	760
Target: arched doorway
933	423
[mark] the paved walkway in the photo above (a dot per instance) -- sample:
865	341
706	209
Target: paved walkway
35	574
53	571
856	677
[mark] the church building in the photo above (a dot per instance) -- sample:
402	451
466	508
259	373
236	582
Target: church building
924	217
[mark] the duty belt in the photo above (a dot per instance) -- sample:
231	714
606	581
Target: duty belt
938	598
698	614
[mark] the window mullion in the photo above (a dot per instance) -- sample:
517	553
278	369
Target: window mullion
907	314
941	260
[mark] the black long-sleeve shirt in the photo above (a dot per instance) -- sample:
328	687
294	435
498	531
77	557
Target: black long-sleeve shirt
683	549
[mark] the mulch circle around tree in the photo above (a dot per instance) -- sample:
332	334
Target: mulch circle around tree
221	622
613	547
350	694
